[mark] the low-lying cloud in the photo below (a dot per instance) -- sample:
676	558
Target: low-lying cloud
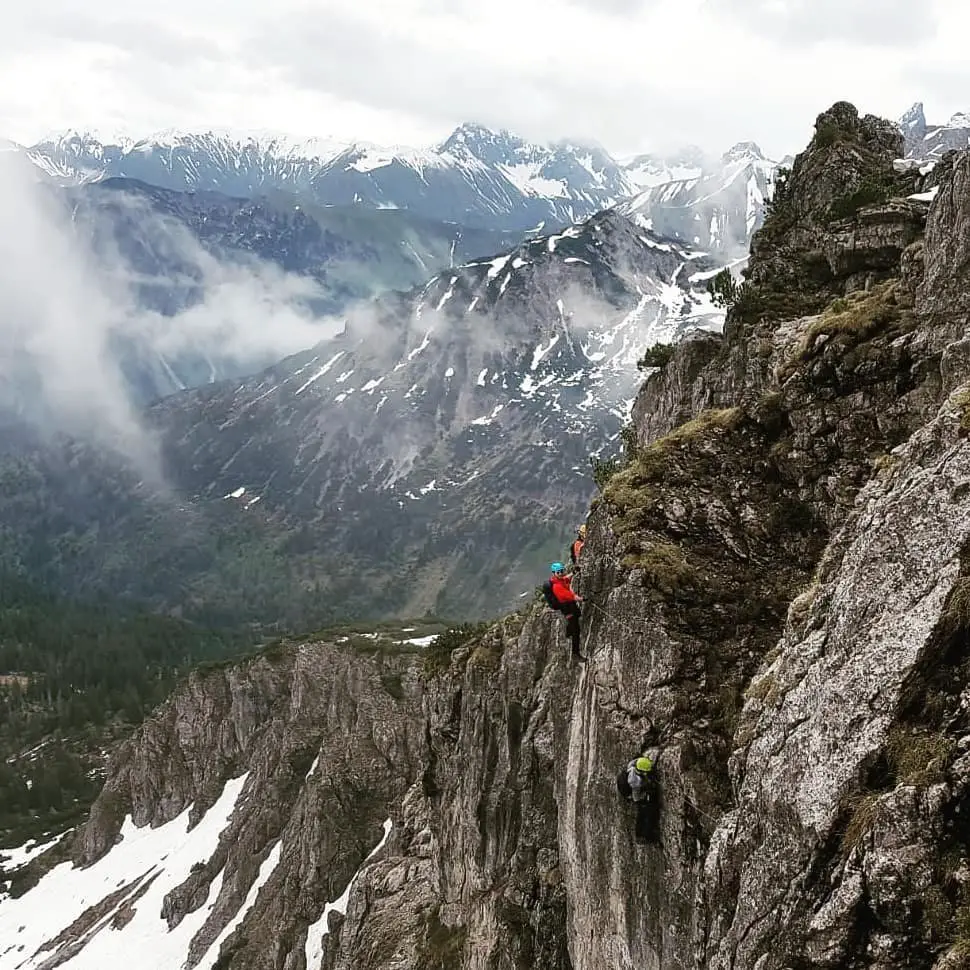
81	345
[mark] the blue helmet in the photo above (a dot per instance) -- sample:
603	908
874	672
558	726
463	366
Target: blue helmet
558	567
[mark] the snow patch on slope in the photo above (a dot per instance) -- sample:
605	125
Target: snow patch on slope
265	871
141	869
316	932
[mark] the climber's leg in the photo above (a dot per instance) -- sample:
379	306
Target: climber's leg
643	828
572	614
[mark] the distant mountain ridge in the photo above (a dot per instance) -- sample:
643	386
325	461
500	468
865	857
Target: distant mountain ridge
173	262
929	142
716	209
476	177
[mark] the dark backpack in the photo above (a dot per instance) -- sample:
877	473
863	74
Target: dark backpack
547	594
622	785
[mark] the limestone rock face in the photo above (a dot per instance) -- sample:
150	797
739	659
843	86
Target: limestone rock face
774	591
944	292
324	741
776	596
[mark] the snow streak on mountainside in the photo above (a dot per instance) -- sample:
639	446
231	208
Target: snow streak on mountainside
319	743
718	209
125	892
119	904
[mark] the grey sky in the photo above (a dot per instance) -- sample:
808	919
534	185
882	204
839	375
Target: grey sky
635	75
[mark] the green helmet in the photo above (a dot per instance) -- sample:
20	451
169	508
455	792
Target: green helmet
643	765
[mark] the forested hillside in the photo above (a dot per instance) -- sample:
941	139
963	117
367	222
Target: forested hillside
73	677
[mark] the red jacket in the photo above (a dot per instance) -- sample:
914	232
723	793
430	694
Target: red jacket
562	589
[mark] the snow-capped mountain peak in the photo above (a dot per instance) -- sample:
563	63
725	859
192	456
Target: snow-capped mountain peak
265	141
715	206
647	170
913	121
483	143
744	151
477	177
928	143
426	400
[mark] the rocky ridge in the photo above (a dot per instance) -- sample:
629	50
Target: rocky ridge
476	177
776	592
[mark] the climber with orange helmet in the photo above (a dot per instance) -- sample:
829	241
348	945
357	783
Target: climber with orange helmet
577	547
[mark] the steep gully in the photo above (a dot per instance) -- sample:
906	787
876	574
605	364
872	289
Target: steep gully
776	582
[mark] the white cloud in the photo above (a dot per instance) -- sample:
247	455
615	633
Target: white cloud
71	319
632	74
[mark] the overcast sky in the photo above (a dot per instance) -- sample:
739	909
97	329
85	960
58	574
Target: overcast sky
632	74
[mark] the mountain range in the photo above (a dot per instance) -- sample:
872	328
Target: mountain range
775	582
476	178
184	260
444	435
419	426
716	209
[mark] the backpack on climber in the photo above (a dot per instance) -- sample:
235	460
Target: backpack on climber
558	594
637	783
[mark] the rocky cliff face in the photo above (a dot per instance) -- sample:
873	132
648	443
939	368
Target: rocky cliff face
776	587
776	592
282	769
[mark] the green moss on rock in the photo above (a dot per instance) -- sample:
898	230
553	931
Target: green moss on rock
665	568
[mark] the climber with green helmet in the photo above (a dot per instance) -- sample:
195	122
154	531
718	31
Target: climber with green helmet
637	784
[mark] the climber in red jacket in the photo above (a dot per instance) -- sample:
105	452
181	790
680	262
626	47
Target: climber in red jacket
568	603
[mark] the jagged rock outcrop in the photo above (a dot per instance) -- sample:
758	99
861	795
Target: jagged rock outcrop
776	592
322	742
476	877
943	293
839	220
776	586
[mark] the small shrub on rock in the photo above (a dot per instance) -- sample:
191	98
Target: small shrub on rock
438	653
659	356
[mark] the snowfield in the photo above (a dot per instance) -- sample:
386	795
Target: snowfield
136	873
